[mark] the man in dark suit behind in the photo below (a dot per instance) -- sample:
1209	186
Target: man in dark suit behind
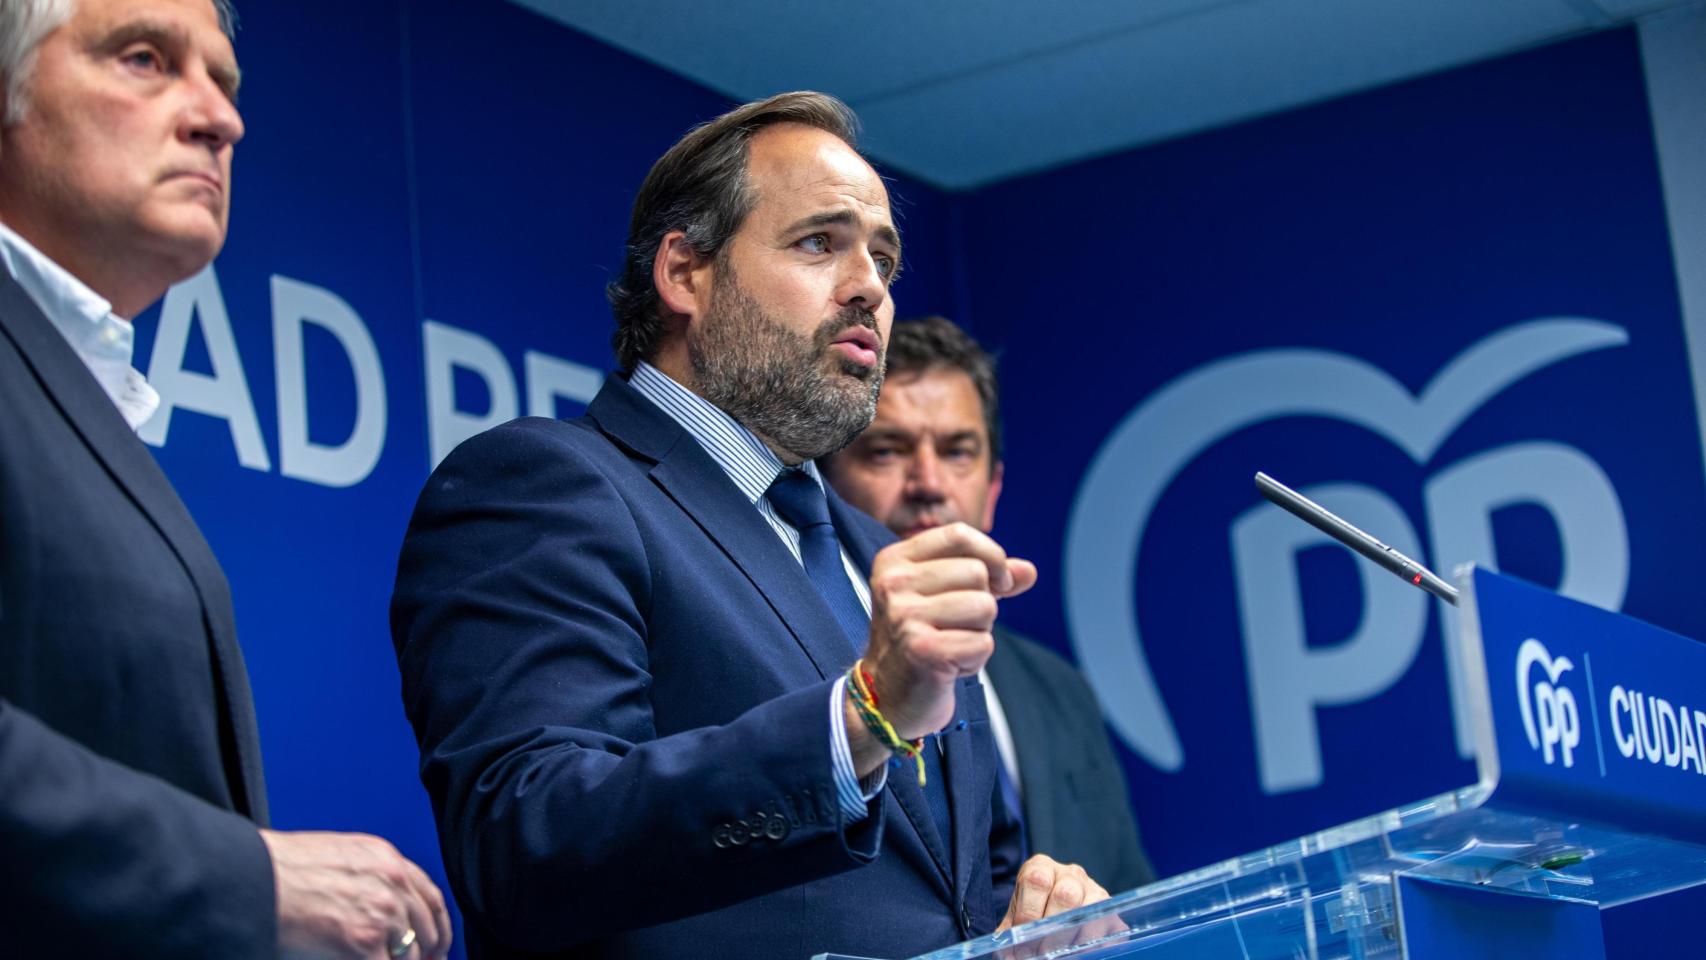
626	639
932	456
132	809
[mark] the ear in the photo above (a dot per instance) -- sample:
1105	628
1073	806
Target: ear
680	275
994	495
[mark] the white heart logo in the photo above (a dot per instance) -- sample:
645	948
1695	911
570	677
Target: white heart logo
1530	653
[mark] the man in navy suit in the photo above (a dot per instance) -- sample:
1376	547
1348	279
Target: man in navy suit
626	639
932	456
132	808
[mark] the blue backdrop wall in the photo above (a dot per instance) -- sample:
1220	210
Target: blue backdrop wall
1447	307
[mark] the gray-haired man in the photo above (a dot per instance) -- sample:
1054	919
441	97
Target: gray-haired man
131	800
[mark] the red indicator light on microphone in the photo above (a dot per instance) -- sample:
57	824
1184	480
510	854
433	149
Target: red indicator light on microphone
1417	579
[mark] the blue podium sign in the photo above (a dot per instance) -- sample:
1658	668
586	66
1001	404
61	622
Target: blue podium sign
1594	714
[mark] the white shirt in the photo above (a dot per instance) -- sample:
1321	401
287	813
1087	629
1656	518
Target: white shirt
1003	732
103	340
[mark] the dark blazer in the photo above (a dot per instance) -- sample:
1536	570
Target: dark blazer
1076	806
620	679
130	772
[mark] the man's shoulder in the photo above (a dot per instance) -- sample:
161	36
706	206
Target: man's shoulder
522	432
619	423
1032	650
527	439
1022	654
532	460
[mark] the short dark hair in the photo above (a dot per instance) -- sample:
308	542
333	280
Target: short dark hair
700	187
936	343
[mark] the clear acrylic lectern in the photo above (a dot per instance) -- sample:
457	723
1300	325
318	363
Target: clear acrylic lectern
1591	792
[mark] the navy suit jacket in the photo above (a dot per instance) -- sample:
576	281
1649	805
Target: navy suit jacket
1076	806
130	772
619	678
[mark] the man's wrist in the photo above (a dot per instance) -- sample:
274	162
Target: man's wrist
854	789
867	751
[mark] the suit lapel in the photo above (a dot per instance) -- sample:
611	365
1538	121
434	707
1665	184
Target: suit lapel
907	797
951	857
695	481
857	537
91	413
699	486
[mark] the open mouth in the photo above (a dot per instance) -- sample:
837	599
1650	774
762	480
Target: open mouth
858	344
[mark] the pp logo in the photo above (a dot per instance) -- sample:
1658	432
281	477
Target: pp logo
1290	680
1549	713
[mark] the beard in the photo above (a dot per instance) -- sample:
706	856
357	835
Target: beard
791	390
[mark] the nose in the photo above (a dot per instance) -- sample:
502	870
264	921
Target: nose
924	476
210	118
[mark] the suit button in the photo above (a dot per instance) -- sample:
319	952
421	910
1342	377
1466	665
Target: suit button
776	828
720	836
965	920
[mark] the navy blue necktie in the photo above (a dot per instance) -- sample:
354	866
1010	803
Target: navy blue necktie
800	501
1015	804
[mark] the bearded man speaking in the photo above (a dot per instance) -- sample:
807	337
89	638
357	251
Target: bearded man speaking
674	698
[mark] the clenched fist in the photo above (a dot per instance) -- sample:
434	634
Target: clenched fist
932	606
1046	887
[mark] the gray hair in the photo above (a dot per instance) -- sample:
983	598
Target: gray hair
24	24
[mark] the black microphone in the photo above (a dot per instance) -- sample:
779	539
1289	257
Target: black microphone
1325	521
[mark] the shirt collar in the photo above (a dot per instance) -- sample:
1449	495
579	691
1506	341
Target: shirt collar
749	463
104	341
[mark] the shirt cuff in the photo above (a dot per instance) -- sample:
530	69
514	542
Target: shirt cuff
852	794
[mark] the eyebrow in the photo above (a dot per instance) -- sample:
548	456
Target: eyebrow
230	79
845	218
880	432
174	37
